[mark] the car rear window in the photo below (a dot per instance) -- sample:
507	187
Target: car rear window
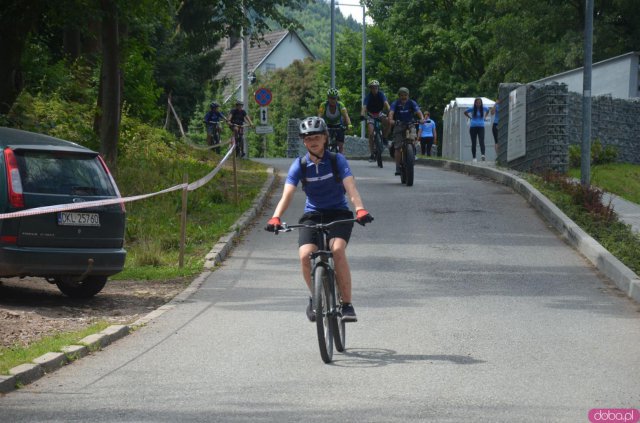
55	172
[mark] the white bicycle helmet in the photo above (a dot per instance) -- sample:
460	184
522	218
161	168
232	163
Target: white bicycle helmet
374	83
312	125
333	92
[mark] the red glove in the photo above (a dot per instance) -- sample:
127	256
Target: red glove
274	224
363	217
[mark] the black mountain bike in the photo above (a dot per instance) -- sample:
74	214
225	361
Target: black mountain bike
333	138
215	135
407	153
326	300
378	146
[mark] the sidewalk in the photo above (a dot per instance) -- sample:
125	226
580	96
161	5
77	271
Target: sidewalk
627	211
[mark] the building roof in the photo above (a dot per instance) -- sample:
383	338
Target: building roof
231	58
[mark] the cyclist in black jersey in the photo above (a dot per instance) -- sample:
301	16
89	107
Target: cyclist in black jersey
375	104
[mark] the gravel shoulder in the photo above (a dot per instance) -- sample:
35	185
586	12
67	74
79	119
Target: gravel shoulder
31	308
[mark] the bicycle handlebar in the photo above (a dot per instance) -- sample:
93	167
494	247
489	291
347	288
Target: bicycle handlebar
318	226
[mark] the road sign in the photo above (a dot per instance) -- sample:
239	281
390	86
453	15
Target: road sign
264	129
263	96
263	115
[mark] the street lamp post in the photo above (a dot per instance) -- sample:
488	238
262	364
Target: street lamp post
364	55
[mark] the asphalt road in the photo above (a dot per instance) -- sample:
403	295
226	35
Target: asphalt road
470	309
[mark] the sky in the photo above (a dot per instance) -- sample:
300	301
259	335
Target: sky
355	12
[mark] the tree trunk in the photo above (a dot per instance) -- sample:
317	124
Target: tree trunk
16	21
110	84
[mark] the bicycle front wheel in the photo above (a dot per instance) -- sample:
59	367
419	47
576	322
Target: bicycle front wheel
339	332
378	141
322	300
409	162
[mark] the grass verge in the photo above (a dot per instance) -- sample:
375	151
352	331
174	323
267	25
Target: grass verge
598	220
621	179
16	355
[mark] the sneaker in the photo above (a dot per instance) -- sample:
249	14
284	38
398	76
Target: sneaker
371	158
475	160
348	313
397	171
311	315
482	158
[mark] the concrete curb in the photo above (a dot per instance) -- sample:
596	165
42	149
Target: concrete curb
52	361
624	278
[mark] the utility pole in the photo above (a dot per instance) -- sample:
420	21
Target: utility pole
364	66
244	68
585	158
333	43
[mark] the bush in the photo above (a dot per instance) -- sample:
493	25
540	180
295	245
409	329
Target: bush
599	154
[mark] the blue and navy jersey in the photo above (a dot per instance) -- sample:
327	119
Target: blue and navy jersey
404	112
428	128
322	189
212	116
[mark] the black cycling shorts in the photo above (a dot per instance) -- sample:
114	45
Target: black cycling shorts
343	230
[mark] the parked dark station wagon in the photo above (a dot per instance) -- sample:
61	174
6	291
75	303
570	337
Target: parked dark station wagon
75	249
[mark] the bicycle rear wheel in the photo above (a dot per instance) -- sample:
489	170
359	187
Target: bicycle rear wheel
339	330
322	300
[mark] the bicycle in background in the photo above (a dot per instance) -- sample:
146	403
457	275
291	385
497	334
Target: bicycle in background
333	138
408	152
378	143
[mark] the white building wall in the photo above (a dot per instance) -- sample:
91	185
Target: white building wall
617	77
289	50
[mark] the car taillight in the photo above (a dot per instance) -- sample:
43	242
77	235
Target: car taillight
8	239
113	182
16	199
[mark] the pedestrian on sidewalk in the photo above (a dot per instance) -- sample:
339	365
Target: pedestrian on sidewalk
476	129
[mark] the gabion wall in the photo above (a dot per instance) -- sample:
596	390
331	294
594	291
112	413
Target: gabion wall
353	146
546	137
615	122
554	121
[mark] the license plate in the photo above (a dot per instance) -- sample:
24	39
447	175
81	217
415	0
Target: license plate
78	219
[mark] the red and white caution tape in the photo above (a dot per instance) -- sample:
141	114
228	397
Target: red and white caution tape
89	204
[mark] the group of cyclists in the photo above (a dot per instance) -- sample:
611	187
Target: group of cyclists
236	120
326	177
328	182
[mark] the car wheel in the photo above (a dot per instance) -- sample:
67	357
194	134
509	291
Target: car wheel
87	288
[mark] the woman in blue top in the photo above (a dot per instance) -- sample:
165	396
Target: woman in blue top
427	134
478	113
326	202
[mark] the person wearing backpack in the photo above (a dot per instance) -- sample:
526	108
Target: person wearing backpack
325	178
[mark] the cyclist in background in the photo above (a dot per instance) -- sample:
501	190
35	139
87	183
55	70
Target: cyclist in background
374	105
402	111
335	115
237	118
212	121
326	202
